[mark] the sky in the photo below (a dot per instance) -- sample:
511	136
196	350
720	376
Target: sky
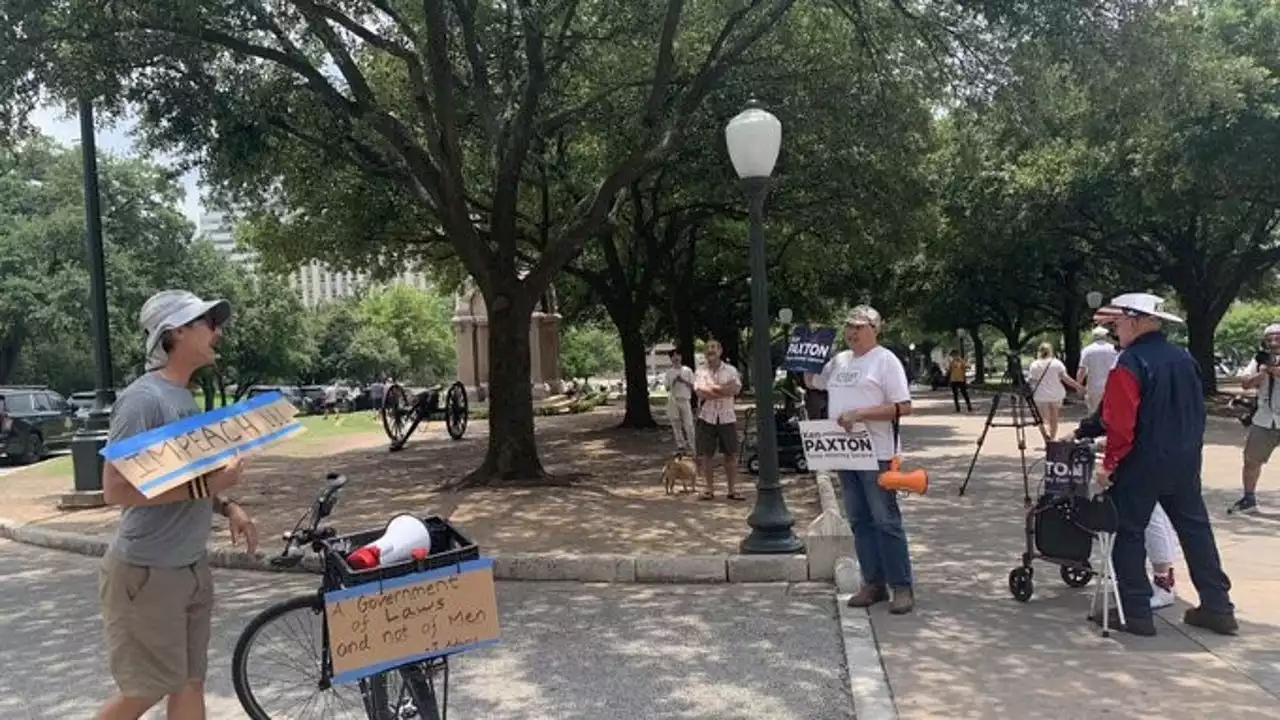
114	139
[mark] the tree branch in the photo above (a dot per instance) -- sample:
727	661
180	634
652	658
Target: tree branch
665	64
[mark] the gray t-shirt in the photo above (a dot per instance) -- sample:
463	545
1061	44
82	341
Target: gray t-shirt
170	535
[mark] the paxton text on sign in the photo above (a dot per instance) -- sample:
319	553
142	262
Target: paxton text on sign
380	626
808	349
167	456
827	446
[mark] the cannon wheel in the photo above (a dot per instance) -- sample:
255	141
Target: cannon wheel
456	411
397	415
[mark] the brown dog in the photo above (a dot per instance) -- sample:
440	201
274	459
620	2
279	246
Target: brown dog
679	468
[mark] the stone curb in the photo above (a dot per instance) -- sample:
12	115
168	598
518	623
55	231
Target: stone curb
868	681
516	566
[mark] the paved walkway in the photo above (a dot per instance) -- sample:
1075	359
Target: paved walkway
971	651
568	651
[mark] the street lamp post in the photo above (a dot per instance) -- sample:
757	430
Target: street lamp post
754	138
92	436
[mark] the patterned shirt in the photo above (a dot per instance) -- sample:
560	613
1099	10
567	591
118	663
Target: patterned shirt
717	411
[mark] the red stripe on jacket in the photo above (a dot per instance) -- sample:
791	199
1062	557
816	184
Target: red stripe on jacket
1119	414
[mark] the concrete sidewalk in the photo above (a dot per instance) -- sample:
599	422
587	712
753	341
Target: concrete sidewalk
972	651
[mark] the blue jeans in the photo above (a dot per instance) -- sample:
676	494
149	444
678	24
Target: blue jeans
1178	491
879	540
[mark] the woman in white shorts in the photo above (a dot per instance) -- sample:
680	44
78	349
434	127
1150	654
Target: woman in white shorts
1049	381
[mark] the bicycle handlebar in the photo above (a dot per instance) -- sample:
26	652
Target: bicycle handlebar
295	540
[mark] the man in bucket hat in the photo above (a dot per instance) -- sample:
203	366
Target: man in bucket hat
1154	415
155	585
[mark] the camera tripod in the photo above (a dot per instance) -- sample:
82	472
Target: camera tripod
1023	414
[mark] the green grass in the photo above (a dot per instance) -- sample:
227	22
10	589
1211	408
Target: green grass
54	467
348	424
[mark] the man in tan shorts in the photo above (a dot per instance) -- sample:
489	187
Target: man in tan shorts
155	586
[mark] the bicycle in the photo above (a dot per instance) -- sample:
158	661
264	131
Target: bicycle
417	695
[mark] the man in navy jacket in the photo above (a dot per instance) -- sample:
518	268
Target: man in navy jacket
1154	415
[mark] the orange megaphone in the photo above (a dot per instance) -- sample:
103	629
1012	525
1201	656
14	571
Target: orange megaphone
913	481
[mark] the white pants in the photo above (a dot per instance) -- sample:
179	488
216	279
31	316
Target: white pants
1161	540
680	414
1092	400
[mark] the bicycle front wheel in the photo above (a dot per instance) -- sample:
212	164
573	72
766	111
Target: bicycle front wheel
278	672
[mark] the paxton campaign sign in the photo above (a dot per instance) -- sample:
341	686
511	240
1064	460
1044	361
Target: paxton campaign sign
827	446
808	349
170	455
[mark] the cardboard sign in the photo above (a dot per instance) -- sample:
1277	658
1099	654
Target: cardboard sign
170	455
1068	469
808	349
379	626
827	446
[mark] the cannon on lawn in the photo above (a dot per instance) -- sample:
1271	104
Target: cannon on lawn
401	412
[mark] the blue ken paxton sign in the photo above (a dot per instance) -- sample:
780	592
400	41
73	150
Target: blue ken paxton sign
829	447
808	349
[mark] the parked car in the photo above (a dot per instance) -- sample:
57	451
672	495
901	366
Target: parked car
34	420
83	402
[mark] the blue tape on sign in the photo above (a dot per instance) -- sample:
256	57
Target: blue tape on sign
203	462
404	580
136	443
366	671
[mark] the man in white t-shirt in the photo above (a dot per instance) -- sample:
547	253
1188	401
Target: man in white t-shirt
1096	361
678	380
867	385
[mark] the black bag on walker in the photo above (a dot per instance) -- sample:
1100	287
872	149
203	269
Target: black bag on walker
1059	530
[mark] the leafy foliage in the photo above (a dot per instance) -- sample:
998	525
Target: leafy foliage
588	351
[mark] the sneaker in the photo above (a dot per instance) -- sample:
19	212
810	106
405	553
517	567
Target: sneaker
904	601
1246	505
1221	623
868	595
1162	595
1145	627
1161	598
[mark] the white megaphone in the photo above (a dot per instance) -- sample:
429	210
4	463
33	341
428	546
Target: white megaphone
404	534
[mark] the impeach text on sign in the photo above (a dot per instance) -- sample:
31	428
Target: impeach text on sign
380	626
167	456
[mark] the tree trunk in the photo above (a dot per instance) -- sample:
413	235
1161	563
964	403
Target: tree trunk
512	453
1201	322
10	349
979	356
1069	317
639	414
207	389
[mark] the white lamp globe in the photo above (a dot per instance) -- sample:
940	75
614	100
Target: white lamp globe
784	315
1094	299
754	138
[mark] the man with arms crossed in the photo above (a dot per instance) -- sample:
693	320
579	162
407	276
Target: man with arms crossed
867	385
1264	430
155	585
679	382
1153	413
1095	363
717	385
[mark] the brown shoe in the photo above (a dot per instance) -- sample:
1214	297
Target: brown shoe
904	601
868	595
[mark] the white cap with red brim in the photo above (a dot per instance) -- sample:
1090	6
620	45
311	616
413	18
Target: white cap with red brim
1134	305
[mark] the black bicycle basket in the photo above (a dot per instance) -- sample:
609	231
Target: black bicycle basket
448	547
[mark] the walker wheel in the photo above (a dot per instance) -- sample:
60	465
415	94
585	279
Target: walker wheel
1076	577
1020	584
753	464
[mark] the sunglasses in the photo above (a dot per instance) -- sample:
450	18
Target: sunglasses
208	320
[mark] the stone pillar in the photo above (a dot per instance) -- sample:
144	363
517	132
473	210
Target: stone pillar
464	330
549	344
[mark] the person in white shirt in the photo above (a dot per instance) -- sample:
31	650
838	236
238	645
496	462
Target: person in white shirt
679	383
717	384
1264	427
867	385
1049	381
1096	361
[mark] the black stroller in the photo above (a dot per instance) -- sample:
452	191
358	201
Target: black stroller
787	431
1063	523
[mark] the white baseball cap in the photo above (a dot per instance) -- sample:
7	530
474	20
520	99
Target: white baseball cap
864	315
1272	329
1100	332
1134	305
169	309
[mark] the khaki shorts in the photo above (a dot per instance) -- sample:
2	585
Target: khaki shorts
1259	444
712	438
157	623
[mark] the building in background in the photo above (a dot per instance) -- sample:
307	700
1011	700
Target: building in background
316	283
218	228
